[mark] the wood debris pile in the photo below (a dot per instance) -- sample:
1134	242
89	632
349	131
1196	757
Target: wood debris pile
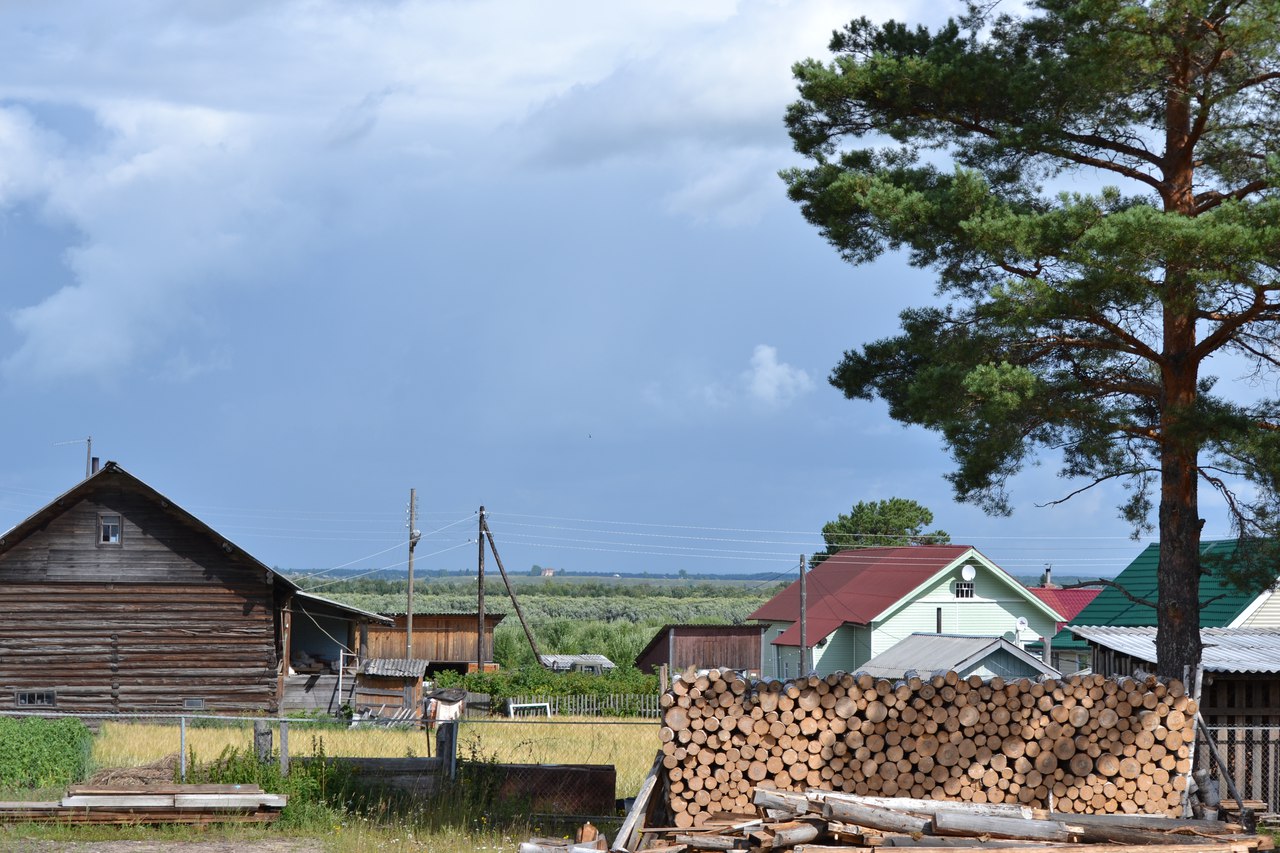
151	804
819	821
1084	744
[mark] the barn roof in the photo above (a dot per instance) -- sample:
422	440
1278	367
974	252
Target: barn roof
1255	650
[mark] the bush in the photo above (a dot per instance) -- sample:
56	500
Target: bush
36	753
535	680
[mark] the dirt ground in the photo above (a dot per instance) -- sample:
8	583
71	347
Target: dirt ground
281	845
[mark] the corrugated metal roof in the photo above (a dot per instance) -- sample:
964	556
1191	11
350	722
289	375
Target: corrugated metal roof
302	598
393	668
1225	649
927	653
558	662
1113	609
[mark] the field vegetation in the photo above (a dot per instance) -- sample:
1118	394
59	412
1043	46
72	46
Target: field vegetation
571	616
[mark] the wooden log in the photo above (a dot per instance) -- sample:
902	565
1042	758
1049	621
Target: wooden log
875	817
959	823
794	833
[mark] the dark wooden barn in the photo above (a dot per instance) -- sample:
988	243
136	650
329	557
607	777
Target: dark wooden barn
114	599
445	640
737	647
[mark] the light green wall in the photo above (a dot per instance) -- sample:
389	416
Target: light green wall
1003	664
848	648
992	612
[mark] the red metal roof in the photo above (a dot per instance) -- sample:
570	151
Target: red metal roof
855	586
1068	602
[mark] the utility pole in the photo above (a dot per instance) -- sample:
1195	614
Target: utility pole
88	453
480	594
414	536
804	622
528	633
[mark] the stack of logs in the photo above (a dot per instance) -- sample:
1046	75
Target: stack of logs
1083	745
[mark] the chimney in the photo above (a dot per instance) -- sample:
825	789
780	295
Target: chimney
93	465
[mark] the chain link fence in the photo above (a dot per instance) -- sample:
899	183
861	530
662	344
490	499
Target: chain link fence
1252	756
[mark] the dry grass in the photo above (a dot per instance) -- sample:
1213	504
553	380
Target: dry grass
630	747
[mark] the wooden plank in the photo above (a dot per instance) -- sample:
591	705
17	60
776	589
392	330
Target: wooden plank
132	801
628	834
229	801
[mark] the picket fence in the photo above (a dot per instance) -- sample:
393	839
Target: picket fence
608	705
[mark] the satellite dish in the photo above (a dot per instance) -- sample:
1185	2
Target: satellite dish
968	573
1022	624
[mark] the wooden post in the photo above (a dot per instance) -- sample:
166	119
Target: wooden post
528	632
262	740
182	749
480	596
286	652
284	747
804	622
413	542
447	746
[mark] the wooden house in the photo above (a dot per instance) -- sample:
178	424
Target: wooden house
447	641
115	599
862	601
738	647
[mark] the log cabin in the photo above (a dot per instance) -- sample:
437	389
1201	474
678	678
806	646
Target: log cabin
113	599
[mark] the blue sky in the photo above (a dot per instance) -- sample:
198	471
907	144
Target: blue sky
284	261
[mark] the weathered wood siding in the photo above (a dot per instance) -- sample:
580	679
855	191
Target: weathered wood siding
706	647
164	616
436	638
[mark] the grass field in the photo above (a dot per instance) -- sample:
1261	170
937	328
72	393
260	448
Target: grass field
629	746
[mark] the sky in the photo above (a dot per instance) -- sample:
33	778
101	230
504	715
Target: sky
286	261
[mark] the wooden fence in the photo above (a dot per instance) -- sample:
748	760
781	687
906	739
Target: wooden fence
610	705
1252	755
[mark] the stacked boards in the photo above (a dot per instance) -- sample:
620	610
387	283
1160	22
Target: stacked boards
1083	745
117	804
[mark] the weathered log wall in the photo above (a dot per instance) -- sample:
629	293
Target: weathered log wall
1085	744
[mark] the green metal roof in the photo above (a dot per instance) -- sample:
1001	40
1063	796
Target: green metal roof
1112	609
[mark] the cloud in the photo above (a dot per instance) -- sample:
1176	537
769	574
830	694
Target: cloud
772	382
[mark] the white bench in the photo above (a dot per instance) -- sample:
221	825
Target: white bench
544	707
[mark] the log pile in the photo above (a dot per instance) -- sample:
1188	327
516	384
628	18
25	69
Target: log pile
1080	745
819	821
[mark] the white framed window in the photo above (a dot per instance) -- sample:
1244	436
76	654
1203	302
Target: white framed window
964	589
109	525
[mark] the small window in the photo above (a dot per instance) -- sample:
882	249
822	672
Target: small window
964	589
193	704
36	699
108	529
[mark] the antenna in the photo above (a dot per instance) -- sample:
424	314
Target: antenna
88	454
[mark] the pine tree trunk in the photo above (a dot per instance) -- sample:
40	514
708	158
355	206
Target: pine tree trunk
1178	610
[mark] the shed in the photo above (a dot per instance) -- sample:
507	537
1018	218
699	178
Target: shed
593	664
965	655
390	687
447	640
737	647
1241	668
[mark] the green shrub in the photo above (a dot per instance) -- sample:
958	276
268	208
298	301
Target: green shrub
37	753
318	790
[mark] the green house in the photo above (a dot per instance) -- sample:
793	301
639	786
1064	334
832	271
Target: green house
1223	605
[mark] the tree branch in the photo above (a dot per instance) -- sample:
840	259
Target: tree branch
1104	582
